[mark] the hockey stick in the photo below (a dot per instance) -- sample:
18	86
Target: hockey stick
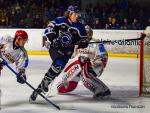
50	102
143	35
109	41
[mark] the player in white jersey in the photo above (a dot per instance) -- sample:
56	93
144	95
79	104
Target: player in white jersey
87	66
12	51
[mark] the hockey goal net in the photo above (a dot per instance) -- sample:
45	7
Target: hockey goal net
145	67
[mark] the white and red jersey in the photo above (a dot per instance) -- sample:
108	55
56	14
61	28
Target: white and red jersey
96	52
92	51
89	52
11	55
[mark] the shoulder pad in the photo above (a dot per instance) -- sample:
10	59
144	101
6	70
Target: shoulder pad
60	20
81	29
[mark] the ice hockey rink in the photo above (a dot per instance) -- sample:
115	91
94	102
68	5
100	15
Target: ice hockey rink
121	76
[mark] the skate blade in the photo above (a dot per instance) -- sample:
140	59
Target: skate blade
102	97
31	101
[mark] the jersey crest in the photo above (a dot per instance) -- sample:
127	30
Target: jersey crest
65	38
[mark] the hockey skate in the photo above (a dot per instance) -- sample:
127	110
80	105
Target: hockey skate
34	95
42	88
102	95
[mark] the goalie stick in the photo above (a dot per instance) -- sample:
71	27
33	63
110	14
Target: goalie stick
49	102
143	35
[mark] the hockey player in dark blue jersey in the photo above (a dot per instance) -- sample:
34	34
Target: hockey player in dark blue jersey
62	35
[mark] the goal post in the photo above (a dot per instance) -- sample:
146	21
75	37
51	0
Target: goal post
145	64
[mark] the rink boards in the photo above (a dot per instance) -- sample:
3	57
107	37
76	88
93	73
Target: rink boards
117	47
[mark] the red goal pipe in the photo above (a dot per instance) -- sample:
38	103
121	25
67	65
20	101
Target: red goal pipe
141	66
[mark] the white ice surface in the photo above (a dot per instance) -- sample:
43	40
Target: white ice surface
121	75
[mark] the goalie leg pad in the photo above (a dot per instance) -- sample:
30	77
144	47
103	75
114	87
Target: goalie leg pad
92	83
70	78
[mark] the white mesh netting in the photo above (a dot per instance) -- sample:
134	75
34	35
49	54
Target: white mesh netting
146	67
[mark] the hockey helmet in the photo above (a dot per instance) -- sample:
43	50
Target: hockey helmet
21	34
72	8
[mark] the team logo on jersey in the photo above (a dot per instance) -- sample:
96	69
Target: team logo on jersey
72	70
66	38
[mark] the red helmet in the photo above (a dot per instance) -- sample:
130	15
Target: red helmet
21	34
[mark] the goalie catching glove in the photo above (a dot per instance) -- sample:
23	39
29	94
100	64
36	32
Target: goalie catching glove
21	78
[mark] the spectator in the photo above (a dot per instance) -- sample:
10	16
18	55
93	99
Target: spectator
21	23
109	23
125	24
136	25
97	24
16	10
37	22
28	21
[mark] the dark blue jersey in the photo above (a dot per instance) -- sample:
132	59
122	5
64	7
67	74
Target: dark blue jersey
69	34
64	35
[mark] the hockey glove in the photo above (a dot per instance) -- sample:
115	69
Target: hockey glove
21	78
83	44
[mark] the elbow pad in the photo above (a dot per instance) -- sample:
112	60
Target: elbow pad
49	33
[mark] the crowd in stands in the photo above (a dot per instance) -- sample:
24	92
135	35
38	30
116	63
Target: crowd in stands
121	14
